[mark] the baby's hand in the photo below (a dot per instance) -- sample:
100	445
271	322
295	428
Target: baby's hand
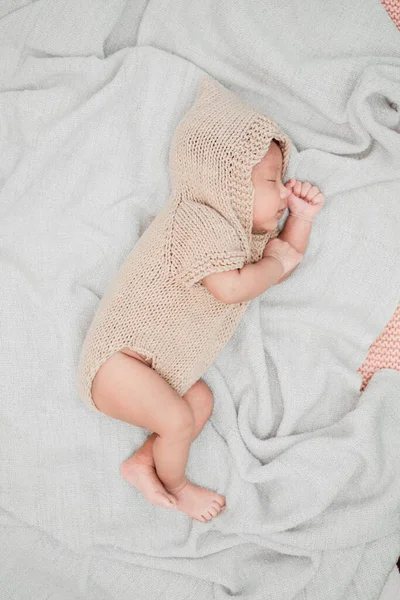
305	199
284	252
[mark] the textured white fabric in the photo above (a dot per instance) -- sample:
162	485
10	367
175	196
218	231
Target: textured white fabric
391	591
309	466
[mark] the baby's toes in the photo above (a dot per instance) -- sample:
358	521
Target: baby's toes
218	506
213	511
202	519
218	500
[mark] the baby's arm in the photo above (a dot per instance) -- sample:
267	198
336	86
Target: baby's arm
296	231
304	204
242	285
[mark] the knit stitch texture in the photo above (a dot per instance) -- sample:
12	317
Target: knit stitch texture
393	9
157	305
384	353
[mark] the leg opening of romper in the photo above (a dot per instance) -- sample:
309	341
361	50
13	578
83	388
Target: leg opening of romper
142	354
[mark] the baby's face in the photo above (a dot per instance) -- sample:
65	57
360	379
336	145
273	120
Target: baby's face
270	195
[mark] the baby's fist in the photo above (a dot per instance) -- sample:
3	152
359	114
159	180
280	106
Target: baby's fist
305	199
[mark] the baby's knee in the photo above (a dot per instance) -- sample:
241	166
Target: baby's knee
201	398
180	422
208	399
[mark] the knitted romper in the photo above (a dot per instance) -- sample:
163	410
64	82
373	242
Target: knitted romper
157	305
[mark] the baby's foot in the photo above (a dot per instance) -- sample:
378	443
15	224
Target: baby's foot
197	502
141	473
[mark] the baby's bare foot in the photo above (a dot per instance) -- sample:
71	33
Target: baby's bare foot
141	473
197	502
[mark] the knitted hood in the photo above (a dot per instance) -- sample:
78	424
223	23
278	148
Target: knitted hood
213	151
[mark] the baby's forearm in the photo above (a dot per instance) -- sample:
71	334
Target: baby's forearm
242	285
255	278
296	232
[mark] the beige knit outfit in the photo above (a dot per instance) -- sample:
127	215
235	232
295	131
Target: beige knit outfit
157	305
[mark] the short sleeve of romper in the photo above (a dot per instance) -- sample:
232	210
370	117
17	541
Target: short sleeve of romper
202	242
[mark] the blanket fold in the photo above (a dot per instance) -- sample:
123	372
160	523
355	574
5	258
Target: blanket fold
309	465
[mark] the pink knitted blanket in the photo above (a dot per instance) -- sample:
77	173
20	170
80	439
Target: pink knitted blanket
393	10
384	353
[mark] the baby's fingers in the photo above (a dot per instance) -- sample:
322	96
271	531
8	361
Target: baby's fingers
318	199
290	183
313	191
305	188
297	187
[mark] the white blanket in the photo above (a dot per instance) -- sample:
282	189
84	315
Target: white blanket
310	466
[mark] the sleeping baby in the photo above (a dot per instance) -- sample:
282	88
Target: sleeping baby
179	295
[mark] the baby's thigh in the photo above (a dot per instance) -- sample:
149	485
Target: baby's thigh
116	379
127	389
141	357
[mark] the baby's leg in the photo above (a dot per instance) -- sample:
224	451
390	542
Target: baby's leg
127	389
139	469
